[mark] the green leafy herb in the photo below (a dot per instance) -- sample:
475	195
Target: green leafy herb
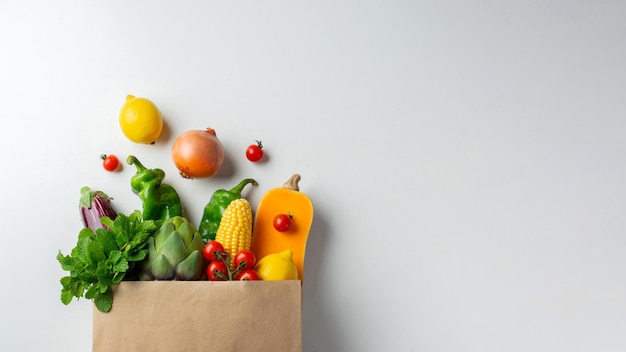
104	258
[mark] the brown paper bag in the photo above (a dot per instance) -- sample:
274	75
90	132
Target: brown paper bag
192	316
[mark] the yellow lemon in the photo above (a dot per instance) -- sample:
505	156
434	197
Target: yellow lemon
141	120
277	266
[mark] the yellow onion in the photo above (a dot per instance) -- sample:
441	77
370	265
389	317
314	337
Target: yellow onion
198	153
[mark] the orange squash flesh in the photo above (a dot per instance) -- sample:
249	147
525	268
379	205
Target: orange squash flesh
286	200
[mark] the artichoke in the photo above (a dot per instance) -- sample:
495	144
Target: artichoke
174	252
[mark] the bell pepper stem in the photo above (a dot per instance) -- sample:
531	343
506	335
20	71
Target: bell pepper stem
132	160
239	188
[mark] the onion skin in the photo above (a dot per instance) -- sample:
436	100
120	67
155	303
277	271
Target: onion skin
198	153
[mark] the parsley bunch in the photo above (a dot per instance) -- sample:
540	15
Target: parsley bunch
104	258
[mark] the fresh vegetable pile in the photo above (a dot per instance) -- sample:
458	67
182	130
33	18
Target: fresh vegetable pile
233	241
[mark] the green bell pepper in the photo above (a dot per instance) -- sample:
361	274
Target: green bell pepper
213	211
160	200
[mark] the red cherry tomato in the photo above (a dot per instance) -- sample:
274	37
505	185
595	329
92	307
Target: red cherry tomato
282	222
254	152
210	250
217	271
110	162
245	260
249	275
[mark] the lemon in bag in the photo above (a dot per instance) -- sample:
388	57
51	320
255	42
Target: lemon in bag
277	266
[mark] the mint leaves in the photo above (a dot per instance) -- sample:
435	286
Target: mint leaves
104	258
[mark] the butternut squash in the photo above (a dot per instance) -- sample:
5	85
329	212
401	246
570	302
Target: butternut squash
285	200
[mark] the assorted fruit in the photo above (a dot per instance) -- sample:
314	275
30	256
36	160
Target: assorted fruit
232	242
277	266
221	266
140	120
255	152
282	222
110	162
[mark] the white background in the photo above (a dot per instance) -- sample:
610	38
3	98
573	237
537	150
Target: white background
466	159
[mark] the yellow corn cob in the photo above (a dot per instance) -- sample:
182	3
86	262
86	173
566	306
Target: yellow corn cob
235	230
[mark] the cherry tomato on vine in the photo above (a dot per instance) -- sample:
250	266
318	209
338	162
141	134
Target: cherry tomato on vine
254	152
282	222
248	275
247	258
210	249
110	162
217	271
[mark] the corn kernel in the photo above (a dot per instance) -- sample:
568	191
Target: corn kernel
235	230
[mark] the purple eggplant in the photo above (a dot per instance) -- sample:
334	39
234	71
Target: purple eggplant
93	206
